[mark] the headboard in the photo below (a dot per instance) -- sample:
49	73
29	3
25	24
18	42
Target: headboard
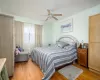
69	38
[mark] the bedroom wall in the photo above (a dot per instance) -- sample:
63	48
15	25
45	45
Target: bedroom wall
27	20
80	24
47	33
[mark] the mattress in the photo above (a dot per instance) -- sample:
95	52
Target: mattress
48	58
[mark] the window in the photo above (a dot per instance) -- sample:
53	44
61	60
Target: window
29	36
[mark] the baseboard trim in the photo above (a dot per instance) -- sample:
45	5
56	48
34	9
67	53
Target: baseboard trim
95	71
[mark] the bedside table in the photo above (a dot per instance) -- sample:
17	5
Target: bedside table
83	57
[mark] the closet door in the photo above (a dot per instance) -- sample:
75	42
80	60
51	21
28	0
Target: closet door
94	56
94	43
6	42
95	28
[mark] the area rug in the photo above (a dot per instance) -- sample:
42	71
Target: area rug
70	72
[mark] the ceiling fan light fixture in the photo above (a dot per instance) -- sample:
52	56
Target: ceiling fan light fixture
51	15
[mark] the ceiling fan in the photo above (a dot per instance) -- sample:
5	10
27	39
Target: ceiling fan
51	15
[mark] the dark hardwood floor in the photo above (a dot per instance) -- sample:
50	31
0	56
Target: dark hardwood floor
30	71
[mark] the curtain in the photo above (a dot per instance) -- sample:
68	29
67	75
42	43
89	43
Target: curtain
38	35
28	36
19	33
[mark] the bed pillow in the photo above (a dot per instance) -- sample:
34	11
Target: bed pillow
74	45
61	44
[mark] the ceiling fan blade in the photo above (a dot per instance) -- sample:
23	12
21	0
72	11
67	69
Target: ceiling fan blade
55	18
48	11
43	15
57	14
47	18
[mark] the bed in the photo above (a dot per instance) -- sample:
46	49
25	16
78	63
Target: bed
49	58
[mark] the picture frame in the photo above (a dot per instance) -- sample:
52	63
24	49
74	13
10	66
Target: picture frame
67	26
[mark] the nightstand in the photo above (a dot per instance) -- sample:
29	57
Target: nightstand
83	56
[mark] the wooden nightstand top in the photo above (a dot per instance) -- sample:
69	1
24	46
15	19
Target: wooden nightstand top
82	50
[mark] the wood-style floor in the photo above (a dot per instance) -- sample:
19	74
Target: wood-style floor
30	71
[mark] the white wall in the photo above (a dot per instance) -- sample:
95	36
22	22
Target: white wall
47	33
80	24
27	20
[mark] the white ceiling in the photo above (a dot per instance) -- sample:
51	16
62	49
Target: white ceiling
34	9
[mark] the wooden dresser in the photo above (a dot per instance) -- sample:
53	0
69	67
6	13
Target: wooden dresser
83	57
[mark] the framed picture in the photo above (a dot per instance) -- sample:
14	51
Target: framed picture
68	26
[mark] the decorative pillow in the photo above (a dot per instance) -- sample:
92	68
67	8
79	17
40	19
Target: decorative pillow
74	45
61	44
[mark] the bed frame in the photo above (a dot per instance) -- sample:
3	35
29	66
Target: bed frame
69	39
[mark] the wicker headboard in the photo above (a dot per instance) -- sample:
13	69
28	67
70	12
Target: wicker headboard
69	39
